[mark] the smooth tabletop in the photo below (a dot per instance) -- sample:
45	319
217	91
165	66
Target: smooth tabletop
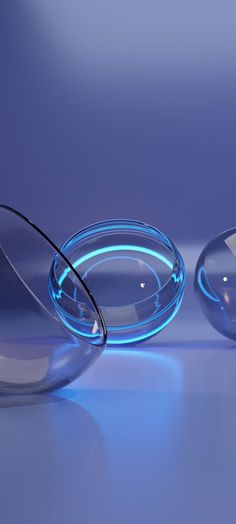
146	435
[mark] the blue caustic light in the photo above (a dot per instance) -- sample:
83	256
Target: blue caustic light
209	293
133	271
150	333
111	249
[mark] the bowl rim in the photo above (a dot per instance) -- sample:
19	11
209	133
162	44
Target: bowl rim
59	252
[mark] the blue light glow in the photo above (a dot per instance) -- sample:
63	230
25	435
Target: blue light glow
211	295
110	249
120	226
123	257
170	309
151	362
150	333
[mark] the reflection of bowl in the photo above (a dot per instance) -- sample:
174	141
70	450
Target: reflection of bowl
51	438
37	350
135	273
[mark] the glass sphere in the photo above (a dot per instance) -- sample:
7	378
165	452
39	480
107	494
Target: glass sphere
215	283
39	350
134	272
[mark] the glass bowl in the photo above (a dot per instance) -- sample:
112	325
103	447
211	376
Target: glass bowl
135	273
215	282
39	350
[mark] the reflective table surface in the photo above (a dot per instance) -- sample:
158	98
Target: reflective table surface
146	435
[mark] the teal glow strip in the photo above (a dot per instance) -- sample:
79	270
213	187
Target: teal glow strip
211	295
110	249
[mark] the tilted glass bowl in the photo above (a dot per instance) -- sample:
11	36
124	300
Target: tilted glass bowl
39	350
134	272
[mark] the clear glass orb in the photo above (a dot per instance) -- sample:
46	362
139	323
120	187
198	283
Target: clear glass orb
134	272
39	350
215	282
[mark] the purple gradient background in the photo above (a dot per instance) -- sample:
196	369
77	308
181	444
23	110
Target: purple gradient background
119	109
111	110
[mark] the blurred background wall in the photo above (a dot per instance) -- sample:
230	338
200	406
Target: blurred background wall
119	109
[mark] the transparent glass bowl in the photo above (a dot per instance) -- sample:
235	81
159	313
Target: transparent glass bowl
39	350
135	273
215	282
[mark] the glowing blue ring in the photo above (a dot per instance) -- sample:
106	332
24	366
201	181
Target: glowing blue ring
111	249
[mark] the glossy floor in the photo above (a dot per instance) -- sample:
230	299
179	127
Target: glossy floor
145	436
